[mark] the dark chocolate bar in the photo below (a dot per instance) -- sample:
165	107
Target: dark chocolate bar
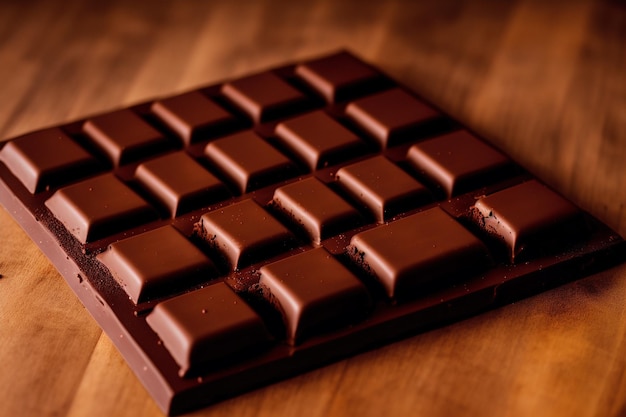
251	230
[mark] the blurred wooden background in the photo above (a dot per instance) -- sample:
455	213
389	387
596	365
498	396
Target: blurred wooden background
544	81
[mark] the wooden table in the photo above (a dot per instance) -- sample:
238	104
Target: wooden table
542	80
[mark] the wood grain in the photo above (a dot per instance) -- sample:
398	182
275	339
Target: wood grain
542	80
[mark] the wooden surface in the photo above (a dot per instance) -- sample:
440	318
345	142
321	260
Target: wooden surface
543	80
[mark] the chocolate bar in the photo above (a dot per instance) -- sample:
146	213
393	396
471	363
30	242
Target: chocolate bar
244	232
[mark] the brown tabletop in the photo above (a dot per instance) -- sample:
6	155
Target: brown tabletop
544	81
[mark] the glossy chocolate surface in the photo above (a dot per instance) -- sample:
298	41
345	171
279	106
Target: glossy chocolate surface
123	136
417	250
207	325
314	291
255	229
191	115
248	161
314	207
391	115
45	158
156	263
263	96
179	183
318	139
526	214
99	206
339	76
458	162
381	186
244	232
